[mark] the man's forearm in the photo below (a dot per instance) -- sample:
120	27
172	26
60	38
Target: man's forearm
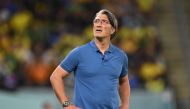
124	90
59	90
58	85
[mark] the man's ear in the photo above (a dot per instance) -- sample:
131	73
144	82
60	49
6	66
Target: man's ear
112	30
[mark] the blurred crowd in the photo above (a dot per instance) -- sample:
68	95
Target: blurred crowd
35	35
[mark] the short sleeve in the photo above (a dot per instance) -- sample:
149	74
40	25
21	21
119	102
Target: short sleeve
71	61
125	66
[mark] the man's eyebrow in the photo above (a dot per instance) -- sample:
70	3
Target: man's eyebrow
102	19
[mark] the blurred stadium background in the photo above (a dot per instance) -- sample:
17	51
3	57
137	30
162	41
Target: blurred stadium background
35	35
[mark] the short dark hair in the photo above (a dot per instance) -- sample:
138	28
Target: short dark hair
112	19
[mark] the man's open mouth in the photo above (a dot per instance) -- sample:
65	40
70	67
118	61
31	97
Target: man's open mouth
98	30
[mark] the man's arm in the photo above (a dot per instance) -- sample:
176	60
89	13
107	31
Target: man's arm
124	91
58	85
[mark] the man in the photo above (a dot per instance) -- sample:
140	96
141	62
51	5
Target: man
100	70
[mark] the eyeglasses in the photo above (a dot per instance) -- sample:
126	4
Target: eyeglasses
102	21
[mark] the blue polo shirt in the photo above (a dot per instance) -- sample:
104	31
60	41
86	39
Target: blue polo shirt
96	75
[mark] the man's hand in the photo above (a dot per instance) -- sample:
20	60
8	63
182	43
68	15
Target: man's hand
72	107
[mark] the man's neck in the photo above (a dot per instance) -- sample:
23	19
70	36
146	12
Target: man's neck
102	44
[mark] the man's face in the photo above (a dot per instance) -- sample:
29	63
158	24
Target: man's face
102	27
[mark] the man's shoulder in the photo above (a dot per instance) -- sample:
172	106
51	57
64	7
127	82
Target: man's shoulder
80	48
121	53
119	50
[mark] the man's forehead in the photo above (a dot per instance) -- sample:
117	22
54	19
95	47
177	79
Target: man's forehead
101	16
